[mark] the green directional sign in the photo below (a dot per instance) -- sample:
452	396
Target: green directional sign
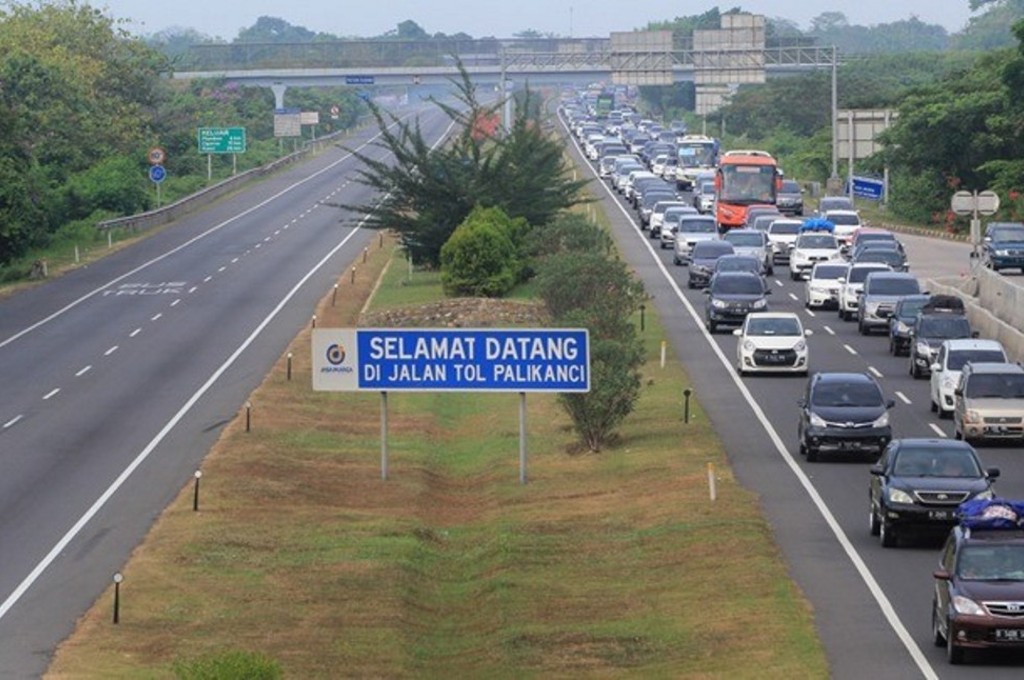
221	140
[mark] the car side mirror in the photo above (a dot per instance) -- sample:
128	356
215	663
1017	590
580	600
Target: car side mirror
801	403
876	470
808	332
768	291
973	255
958	392
940	575
975	334
992	472
890	403
935	368
738	332
706	291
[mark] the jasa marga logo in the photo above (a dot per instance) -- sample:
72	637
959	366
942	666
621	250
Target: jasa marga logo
336	358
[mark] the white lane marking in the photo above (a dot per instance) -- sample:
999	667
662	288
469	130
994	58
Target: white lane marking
875	372
12	421
902	397
193	289
937	430
175	303
851	552
110	351
52	393
850	349
234	260
156	317
779	284
215	228
257	246
277	232
222	269
134	332
828	329
793	297
83	371
266	239
208	279
100	502
810	313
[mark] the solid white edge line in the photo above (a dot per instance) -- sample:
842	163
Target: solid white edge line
59	547
851	552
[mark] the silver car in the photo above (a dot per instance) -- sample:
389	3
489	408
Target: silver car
752	242
690	230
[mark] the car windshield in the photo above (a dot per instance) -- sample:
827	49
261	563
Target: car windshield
890	257
817	241
995	386
958	358
730	263
843	218
987	562
908	309
711	249
737	285
828	271
707	188
858	274
773	326
697	226
929	462
875	238
835	203
745	239
784	227
1008	234
952	326
853	394
891	286
789	186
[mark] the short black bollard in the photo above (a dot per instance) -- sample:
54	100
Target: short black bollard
686	405
248	416
642	308
117	596
195	491
289	365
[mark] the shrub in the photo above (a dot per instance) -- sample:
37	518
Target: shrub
229	665
480	256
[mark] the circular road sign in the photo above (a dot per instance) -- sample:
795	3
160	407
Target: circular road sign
157	155
962	203
157	173
988	202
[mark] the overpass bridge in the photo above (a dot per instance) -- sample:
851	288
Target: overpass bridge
368	63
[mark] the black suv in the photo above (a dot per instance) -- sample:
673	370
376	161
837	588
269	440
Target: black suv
731	296
1003	246
979	585
843	412
927	334
918	484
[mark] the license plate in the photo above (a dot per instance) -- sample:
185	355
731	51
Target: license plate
1010	635
940	514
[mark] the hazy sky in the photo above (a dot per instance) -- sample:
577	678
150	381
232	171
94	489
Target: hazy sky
480	18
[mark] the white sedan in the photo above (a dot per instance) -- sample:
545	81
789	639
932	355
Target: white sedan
772	342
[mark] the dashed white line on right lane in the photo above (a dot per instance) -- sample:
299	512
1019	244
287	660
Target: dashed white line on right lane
902	397
937	430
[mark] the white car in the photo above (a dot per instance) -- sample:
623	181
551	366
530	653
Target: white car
823	284
946	370
810	248
853	285
658	213
847	222
772	342
782	235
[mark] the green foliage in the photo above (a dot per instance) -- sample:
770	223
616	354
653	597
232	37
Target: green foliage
480	258
117	184
568	232
593	290
428	192
229	665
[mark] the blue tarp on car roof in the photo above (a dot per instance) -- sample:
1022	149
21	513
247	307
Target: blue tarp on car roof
992	513
818	224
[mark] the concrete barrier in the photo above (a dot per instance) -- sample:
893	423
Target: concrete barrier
992	305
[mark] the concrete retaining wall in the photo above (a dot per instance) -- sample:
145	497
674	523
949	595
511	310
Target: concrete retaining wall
994	306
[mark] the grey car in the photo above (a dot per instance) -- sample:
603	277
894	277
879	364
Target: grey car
790	198
752	242
882	290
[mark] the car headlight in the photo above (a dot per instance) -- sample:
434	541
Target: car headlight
986	494
749	346
817	421
881	421
718	304
760	304
1003	252
923	348
972	416
900	496
800	346
902	328
964	605
948	382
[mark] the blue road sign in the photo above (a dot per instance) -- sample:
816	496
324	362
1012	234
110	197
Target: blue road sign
866	187
359	80
468	360
157	173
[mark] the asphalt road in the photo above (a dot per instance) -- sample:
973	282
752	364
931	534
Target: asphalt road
119	376
871	604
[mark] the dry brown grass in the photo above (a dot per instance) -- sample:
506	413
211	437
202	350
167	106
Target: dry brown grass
603	565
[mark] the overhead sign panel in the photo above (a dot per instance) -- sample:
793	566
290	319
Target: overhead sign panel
641	57
221	140
480	360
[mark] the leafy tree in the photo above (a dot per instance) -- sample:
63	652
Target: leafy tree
480	258
427	192
275	30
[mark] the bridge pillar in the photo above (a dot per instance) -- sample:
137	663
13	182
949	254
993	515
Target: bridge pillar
278	89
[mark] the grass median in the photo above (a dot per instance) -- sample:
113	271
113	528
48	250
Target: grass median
614	564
